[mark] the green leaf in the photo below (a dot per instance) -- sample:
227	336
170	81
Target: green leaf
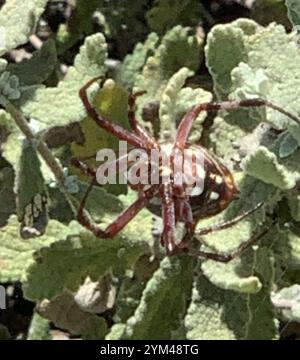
165	14
175	102
61	105
227	276
7	196
226	48
293	8
16	254
132	287
224	314
31	193
3	65
38	68
223	135
134	62
177	50
18	21
267	11
287	303
294	205
65	264
9	88
265	165
100	202
288	146
80	23
280	91
288	247
11	148
112	102
116	332
163	301
120	15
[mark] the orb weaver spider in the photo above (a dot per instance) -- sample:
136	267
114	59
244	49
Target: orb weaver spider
165	199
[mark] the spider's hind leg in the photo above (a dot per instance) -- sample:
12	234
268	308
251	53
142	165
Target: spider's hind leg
218	227
229	223
225	258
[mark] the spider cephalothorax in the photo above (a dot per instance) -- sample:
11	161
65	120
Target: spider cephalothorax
180	204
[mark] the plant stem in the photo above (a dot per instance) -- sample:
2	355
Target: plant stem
44	151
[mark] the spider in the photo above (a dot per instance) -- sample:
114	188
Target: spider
170	201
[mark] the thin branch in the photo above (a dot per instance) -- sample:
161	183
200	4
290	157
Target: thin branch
44	151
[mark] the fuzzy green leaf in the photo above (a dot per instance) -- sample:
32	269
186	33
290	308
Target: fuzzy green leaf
11	148
7	195
16	254
294	205
175	102
61	105
163	301
293	7
166	14
288	146
18	21
279	83
112	102
226	276
134	62
132	288
288	247
177	50
264	165
31	193
287	302
224	314
38	68
225	49
66	263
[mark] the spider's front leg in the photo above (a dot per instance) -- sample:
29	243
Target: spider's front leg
122	220
114	129
186	123
135	126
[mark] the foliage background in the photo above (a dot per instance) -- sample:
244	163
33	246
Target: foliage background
62	282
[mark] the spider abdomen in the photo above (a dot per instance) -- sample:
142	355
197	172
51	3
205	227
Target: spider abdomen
212	191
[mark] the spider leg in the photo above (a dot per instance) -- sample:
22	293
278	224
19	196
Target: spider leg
229	223
121	221
114	129
87	170
169	219
227	257
136	127
186	215
185	126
